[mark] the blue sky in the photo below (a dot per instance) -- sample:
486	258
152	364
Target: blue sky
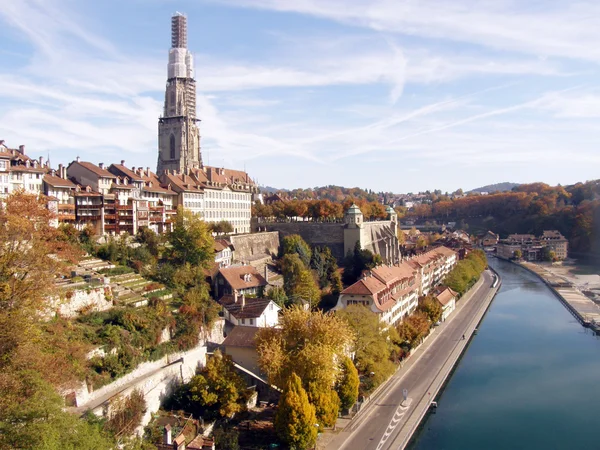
384	94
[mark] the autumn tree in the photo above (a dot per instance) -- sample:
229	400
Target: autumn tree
295	420
431	307
326	403
278	295
126	413
309	343
191	240
518	254
347	387
414	328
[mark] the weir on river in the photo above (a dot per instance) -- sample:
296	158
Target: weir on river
529	378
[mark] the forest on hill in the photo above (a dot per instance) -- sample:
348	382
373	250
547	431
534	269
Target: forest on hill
496	187
529	208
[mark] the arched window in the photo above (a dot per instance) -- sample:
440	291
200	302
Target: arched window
172	146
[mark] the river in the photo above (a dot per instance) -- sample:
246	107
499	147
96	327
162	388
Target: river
530	378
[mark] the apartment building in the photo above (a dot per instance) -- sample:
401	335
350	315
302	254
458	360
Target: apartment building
534	248
392	291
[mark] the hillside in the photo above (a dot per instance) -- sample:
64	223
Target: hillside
498	187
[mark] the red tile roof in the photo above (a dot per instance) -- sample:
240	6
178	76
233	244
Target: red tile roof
58	181
244	307
241	337
235	277
95	169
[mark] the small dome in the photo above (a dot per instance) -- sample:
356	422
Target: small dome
389	210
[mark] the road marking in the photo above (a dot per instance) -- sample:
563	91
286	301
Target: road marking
398	415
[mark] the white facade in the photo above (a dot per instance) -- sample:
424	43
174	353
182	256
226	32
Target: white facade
231	206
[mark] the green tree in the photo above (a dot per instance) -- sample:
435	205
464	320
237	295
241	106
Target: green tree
148	237
216	391
295	244
372	344
358	261
347	386
226	438
298	281
191	240
32	416
278	295
222	227
295	421
518	254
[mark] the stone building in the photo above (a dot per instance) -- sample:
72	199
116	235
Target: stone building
178	131
380	236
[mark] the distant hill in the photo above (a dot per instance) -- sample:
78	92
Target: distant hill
498	187
272	190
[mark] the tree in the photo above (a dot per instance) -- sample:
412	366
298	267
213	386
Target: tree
295	421
126	413
371	345
413	329
226	438
431	307
298	280
358	261
148	237
32	416
326	403
518	254
216	390
347	386
295	244
278	295
222	227
309	343
191	240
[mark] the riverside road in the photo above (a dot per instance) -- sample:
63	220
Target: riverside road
385	422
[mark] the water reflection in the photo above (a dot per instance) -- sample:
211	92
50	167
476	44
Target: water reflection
528	380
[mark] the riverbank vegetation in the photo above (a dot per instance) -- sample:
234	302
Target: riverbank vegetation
466	272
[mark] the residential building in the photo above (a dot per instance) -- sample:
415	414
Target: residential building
490	239
223	252
240	310
62	191
392	291
241	346
243	280
534	248
447	299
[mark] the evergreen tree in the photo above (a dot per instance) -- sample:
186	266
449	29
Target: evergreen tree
295	244
326	403
295	421
347	387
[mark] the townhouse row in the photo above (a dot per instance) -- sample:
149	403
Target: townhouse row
393	291
115	199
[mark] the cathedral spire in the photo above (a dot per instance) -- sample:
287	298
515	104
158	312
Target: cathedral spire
178	133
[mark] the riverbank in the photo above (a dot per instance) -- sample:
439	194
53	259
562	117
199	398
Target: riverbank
585	310
386	421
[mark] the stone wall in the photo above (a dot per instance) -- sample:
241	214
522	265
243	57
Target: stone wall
78	301
380	237
154	378
255	249
325	234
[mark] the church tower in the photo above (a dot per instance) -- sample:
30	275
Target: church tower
178	132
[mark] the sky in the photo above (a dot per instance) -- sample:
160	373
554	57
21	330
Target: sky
388	95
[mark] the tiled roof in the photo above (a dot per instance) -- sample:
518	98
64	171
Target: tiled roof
125	171
221	244
241	337
58	181
244	308
95	169
235	277
446	296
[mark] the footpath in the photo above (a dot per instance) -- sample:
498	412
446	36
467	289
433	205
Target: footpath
583	308
423	374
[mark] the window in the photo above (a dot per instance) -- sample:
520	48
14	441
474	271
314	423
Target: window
251	321
172	146
2	164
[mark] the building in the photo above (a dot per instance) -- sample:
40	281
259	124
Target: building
392	291
223	252
241	346
379	236
489	239
447	299
251	312
389	291
534	248
240	280
178	131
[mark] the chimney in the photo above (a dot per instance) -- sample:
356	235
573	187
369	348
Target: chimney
122	162
266	273
235	296
1	141
41	161
78	159
101	165
243	300
22	149
147	171
167	438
